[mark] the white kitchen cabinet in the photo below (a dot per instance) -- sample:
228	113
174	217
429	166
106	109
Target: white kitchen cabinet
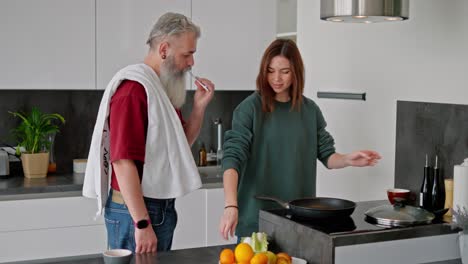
198	219
191	221
122	28
47	44
215	209
414	250
234	35
48	228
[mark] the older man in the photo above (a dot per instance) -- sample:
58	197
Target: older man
141	133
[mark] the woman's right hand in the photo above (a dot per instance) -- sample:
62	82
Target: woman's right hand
228	223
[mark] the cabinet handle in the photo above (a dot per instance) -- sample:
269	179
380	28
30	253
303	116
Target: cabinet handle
347	96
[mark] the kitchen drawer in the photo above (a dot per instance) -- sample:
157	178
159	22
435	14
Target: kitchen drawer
48	213
52	243
415	250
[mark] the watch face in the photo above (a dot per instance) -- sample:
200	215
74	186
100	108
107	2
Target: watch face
142	224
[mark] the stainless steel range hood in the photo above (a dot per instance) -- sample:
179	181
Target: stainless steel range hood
364	11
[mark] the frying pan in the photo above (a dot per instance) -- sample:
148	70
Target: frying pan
316	207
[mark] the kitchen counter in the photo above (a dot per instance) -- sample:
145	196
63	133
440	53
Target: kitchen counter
205	255
324	240
185	256
68	185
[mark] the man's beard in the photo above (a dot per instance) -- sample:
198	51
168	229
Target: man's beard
173	81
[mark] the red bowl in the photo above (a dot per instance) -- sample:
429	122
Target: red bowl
398	193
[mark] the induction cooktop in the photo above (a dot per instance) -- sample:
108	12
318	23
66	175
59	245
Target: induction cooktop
356	223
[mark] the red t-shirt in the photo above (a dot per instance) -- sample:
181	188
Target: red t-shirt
128	124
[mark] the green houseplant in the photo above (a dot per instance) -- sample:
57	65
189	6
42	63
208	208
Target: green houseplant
33	144
460	220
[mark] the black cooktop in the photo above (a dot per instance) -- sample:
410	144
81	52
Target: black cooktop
356	223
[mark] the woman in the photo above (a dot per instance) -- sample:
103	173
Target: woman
276	138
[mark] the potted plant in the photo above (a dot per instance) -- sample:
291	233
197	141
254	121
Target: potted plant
33	144
460	220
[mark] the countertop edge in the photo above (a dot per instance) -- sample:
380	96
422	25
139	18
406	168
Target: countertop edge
72	193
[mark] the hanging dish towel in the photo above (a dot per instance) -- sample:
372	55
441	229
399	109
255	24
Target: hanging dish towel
169	170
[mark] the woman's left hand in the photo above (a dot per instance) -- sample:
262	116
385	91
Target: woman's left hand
362	158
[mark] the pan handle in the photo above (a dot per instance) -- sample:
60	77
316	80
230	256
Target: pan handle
280	202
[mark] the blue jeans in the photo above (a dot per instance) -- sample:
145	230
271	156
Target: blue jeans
120	228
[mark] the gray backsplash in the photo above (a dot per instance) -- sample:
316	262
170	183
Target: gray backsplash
79	108
432	129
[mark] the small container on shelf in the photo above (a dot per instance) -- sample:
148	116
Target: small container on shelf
202	156
211	158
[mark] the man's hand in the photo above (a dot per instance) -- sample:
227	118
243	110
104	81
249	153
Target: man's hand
200	102
145	240
203	97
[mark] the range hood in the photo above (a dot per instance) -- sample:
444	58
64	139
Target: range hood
364	11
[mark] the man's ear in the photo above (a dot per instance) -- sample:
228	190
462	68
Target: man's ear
163	49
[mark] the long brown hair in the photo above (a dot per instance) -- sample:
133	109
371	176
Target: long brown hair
288	49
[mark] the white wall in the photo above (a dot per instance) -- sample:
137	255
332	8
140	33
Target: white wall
422	59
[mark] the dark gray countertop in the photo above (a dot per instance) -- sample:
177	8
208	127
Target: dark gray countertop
355	229
19	187
324	236
204	255
63	185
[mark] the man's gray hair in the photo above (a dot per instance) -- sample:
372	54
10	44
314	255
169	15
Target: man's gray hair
171	24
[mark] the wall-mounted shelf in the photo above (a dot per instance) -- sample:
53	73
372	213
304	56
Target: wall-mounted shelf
341	95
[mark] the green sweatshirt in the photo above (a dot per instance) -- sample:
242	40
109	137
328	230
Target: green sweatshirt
275	154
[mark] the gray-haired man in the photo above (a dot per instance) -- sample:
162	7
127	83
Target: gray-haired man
148	140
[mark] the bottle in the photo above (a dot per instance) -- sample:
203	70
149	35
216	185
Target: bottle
52	165
202	156
425	194
448	196
438	190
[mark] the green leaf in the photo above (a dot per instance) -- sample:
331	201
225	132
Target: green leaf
34	128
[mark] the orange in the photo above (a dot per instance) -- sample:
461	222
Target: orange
284	255
282	260
259	258
243	252
227	256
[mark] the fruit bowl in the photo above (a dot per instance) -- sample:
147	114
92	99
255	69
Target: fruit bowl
294	261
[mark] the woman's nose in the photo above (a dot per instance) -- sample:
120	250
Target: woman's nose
277	77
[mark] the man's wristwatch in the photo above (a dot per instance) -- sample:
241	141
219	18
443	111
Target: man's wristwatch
142	224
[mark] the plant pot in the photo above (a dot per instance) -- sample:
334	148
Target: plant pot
463	243
35	165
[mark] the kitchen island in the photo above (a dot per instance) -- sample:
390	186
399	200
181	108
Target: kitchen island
205	255
354	240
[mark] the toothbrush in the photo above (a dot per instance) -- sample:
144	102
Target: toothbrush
199	82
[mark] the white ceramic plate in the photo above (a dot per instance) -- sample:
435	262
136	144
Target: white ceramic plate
294	261
298	261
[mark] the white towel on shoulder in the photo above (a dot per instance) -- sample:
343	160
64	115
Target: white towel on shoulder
169	170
